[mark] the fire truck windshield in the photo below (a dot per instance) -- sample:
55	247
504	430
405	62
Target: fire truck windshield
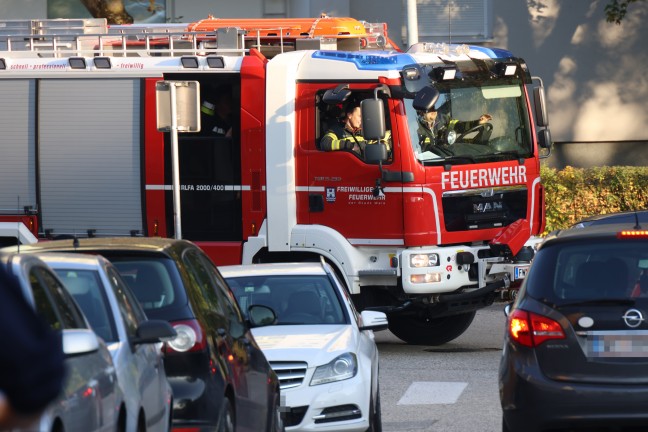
472	124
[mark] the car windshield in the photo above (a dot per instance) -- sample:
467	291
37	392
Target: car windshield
302	299
593	271
472	124
86	288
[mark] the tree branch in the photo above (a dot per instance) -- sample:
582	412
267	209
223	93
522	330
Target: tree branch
112	10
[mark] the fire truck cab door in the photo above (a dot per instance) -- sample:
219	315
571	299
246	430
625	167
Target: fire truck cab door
348	194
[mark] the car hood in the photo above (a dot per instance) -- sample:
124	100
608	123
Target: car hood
315	344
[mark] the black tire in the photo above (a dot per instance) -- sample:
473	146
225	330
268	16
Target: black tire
418	330
121	420
275	419
375	415
227	420
141	423
505	427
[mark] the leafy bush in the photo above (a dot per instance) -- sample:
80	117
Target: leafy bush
575	193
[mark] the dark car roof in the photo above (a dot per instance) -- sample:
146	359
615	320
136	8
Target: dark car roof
603	230
614	218
141	244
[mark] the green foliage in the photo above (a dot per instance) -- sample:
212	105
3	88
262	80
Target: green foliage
575	193
616	10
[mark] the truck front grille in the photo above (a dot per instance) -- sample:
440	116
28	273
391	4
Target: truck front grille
484	208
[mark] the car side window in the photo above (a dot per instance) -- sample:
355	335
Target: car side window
130	308
229	301
68	315
43	303
226	299
200	276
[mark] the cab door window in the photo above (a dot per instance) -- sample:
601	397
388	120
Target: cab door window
339	126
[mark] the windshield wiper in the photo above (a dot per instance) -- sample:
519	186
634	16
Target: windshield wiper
600	302
460	159
513	154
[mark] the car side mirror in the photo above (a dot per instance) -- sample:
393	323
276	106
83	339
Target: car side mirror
79	341
260	316
373	320
154	331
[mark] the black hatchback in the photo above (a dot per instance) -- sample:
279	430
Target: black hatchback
576	347
220	378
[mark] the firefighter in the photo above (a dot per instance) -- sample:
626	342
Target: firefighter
348	135
438	129
217	110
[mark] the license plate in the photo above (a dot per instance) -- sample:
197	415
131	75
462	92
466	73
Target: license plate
617	344
521	272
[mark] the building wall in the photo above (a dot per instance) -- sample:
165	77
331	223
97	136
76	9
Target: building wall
593	71
23	9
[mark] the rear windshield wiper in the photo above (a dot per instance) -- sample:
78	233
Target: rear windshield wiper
600	302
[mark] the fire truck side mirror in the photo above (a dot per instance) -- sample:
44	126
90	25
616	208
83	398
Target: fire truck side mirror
337	95
373	119
375	153
542	118
544	139
425	98
544	142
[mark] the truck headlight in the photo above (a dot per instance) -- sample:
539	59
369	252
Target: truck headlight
424	260
341	368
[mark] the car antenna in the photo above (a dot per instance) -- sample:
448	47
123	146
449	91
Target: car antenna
637	226
18	229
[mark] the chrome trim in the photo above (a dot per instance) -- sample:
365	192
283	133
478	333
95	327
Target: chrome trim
633	318
484	192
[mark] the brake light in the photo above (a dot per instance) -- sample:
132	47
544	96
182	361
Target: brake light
529	329
633	234
190	338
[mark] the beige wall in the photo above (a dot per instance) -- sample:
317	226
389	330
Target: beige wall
23	9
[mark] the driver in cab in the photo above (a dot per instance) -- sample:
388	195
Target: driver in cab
439	129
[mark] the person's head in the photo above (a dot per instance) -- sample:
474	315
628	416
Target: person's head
428	117
353	117
223	102
218	102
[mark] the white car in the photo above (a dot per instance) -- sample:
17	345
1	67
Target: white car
134	341
321	348
90	395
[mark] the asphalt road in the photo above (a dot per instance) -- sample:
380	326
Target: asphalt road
446	388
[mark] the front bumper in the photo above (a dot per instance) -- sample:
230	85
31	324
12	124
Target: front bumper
338	406
452	272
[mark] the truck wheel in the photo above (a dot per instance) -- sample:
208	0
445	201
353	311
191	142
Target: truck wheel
419	330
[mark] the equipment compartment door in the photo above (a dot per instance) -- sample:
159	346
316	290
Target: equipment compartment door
89	156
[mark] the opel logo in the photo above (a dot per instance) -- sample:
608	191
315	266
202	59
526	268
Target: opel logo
633	318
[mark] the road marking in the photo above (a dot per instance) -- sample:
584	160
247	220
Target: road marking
431	393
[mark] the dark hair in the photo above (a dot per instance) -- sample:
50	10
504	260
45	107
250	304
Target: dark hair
350	106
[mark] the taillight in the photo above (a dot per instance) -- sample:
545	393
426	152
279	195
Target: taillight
633	234
529	329
190	338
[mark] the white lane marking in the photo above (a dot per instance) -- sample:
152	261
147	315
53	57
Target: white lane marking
432	393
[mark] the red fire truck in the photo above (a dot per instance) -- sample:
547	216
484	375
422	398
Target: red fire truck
428	234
